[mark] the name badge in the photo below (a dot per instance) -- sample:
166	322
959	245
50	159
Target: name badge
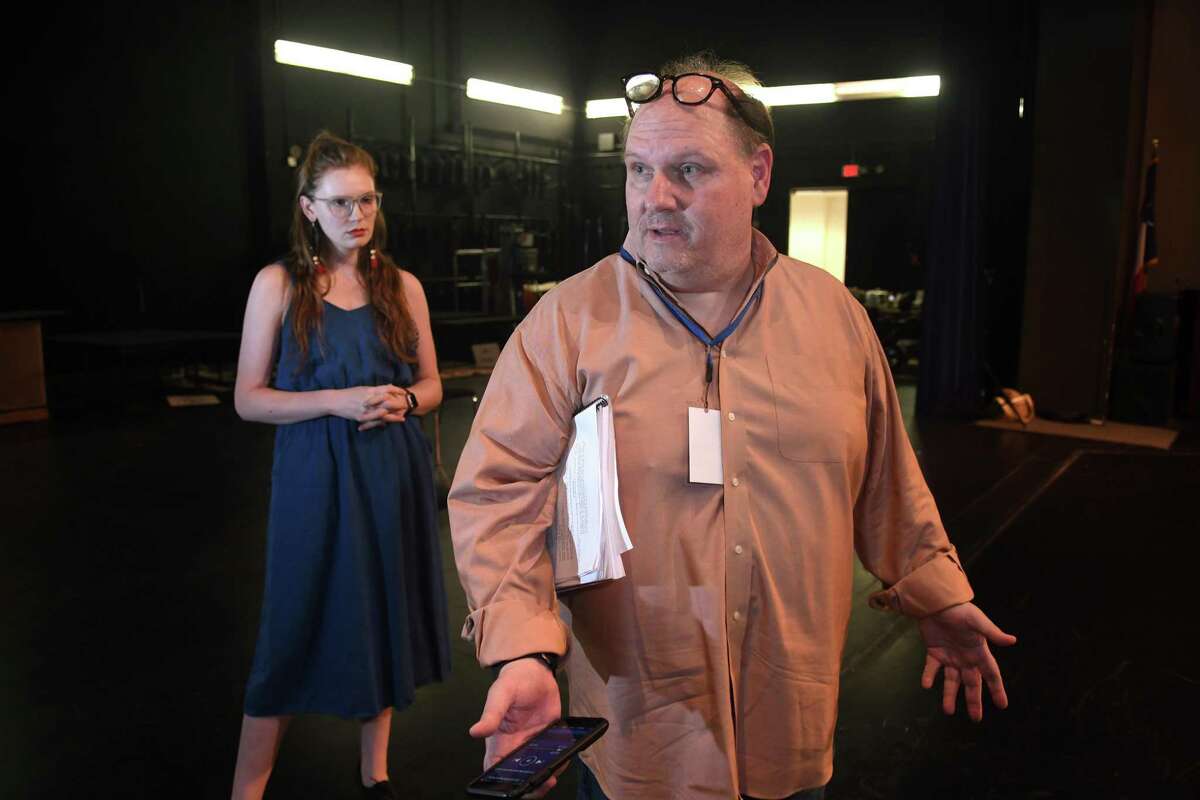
704	446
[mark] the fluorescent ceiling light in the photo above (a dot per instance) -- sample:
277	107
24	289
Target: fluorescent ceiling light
797	95
307	55
608	107
809	93
921	86
513	96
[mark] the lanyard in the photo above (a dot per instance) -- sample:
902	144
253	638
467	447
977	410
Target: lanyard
692	326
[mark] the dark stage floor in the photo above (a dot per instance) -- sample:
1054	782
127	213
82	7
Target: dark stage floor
131	579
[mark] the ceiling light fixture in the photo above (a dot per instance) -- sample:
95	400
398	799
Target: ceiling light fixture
306	55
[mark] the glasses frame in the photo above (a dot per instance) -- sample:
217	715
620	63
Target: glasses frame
736	102
355	203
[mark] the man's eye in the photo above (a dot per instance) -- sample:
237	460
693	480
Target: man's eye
637	169
689	170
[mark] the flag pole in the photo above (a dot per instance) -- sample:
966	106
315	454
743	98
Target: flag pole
1125	318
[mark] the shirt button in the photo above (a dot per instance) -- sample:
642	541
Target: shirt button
732	416
737	615
723	353
736	482
737	549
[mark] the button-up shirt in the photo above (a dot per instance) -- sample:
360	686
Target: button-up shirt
716	657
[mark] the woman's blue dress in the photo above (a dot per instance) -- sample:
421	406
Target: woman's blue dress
354	610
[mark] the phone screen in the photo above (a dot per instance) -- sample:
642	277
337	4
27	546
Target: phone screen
533	762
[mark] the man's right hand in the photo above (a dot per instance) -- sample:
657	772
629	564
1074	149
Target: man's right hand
523	700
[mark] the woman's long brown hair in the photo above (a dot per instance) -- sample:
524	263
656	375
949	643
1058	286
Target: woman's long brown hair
385	292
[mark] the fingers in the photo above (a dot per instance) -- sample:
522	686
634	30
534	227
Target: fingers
381	422
387	410
491	753
991	675
932	665
386	404
545	787
378	394
499	699
550	783
973	693
950	684
970	677
991	631
1000	638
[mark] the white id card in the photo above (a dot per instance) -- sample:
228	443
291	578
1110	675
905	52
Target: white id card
704	446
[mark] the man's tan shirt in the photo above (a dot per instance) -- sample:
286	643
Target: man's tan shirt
716	658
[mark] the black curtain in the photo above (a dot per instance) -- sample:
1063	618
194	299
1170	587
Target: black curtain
978	214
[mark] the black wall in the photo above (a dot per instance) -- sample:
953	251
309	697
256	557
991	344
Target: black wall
157	135
160	133
466	187
160	137
132	141
788	44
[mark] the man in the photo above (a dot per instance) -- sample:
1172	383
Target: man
716	658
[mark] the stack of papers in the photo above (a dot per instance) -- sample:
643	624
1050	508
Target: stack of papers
588	535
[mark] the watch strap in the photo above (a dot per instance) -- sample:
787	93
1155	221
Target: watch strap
549	660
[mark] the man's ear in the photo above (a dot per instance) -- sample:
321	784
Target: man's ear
761	162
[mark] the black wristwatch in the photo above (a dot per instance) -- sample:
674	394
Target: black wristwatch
549	659
412	400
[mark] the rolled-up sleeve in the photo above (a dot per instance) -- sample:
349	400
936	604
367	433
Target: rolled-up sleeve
502	500
898	532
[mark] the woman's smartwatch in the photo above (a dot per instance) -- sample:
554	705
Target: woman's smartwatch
412	400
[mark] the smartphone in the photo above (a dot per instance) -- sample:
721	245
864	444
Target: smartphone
532	764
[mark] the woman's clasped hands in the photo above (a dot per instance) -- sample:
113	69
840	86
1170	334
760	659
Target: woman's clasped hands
372	406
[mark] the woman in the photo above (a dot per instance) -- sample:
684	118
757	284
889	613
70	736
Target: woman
354	610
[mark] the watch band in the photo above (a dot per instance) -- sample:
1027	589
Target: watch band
412	400
550	660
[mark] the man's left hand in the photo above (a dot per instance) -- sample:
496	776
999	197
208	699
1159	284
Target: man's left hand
956	641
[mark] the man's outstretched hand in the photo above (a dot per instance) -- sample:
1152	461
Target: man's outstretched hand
956	641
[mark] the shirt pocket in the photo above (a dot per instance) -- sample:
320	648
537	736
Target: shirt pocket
820	408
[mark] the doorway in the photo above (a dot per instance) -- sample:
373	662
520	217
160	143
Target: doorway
817	228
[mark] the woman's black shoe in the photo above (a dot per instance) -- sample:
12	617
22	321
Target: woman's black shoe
380	791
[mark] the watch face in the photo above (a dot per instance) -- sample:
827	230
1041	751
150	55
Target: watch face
549	659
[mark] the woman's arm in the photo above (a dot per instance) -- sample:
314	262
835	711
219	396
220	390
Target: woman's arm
253	396
428	386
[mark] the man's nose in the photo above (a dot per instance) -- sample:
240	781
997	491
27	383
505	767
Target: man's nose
661	192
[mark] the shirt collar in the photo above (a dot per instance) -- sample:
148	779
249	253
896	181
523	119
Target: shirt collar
763	257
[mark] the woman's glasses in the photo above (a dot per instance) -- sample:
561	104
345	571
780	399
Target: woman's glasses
343	207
